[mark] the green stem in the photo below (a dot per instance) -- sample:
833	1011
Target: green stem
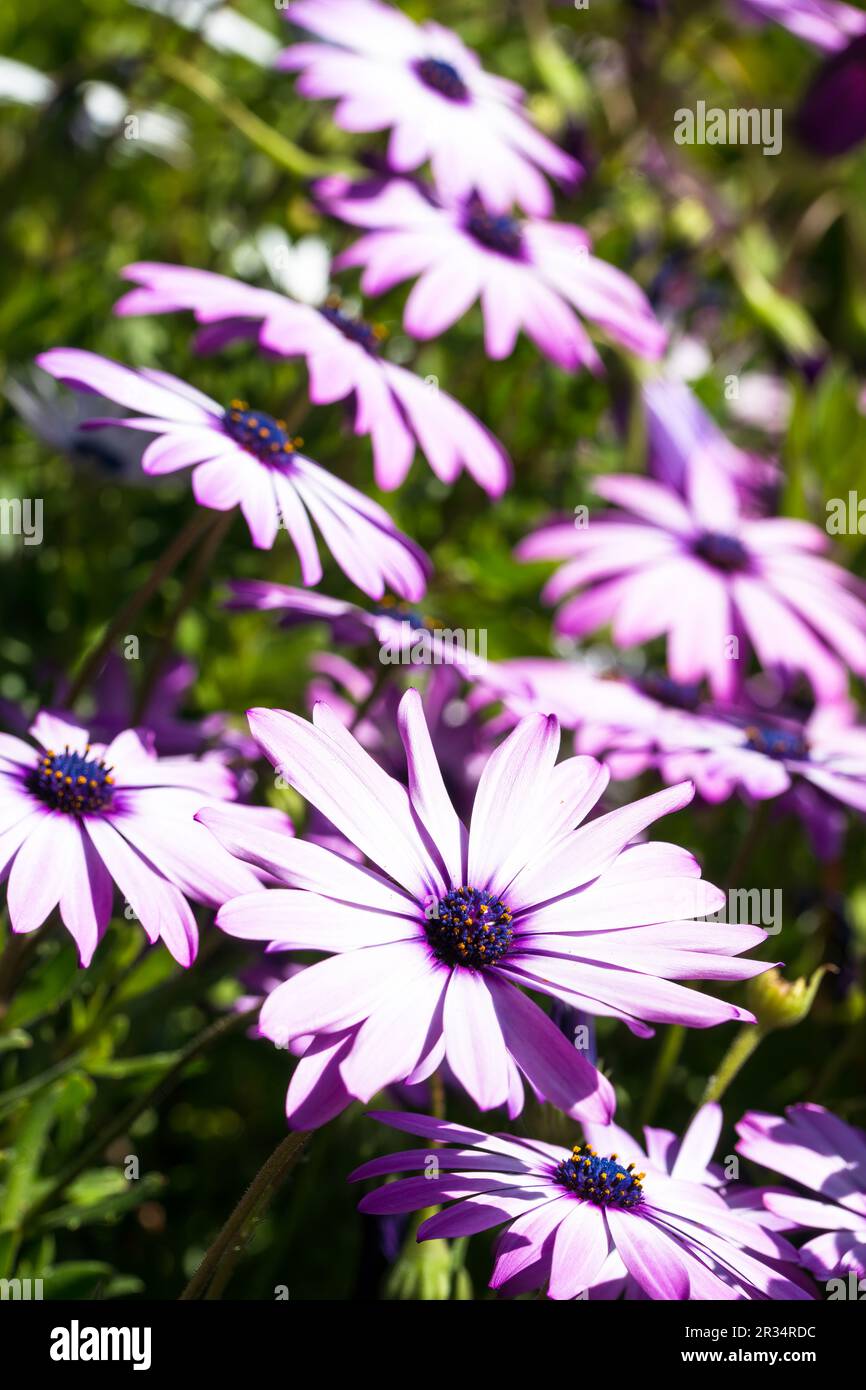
668	1056
219	526
218	1264
745	1043
282	151
185	539
748	844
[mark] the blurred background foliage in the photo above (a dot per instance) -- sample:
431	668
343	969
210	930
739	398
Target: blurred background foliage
757	264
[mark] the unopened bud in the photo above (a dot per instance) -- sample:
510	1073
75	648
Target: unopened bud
780	1003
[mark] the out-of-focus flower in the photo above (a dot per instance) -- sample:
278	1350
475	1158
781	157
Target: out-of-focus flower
763	401
59	419
243	457
105	114
814	1147
764	754
576	1218
24	85
684	440
399	410
432	950
827	24
816	765
76	818
832	115
406	636
301	269
429	89
696	569
114	698
220	26
614	717
529	274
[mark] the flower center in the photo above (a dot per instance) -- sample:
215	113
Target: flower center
469	927
775	742
441	77
722	552
389	607
600	1180
497	231
367	335
261	435
72	782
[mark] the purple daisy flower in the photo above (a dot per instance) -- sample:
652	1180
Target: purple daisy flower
825	1154
529	274
575	1218
689	1158
343	354
243	457
432	949
696	569
76	817
422	83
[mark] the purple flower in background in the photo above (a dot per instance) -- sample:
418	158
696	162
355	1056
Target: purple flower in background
432	949
575	1218
832	115
614	717
685	440
712	580
827	24
76	818
764	754
115	699
406	637
529	274
422	83
815	765
825	1154
395	407
243	457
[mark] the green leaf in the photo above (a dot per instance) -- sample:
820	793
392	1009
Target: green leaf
47	985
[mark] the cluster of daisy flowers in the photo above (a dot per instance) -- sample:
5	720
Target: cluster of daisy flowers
462	884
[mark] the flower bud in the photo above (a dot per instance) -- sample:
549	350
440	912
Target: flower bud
780	1003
